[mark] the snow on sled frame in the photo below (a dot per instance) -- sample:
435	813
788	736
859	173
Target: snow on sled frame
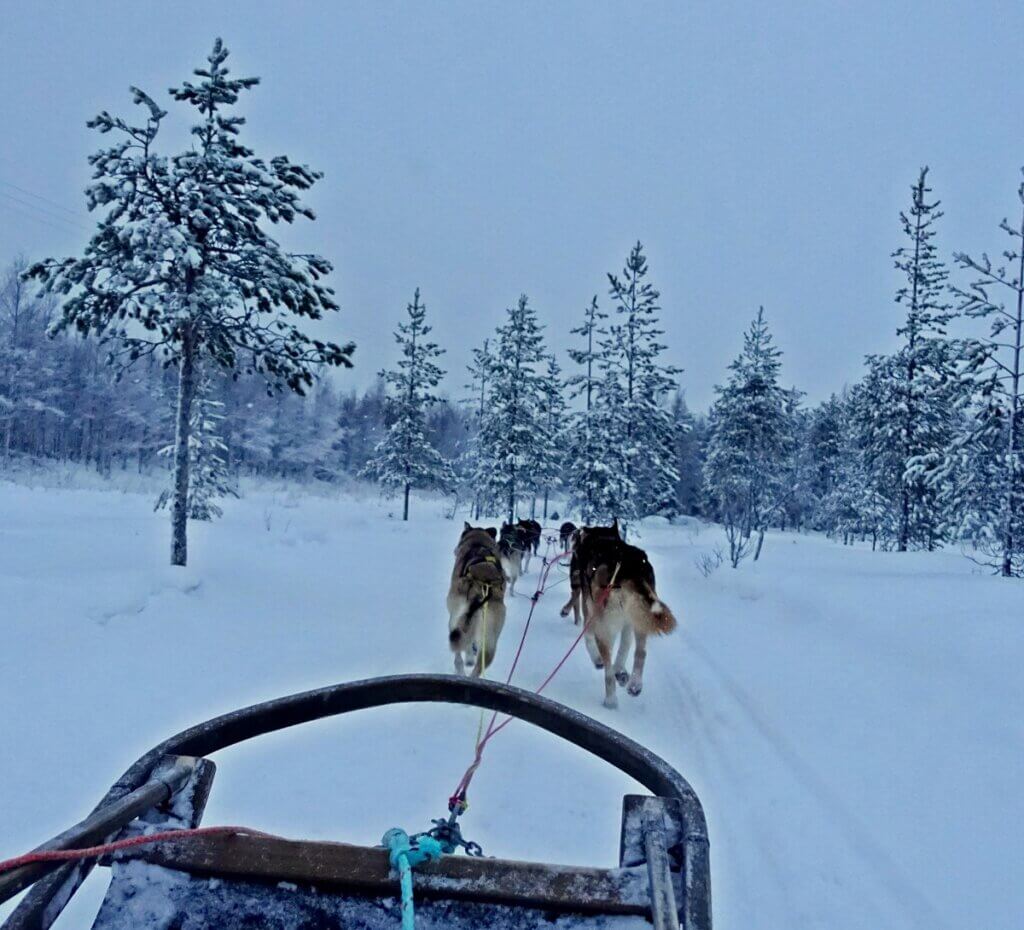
663	875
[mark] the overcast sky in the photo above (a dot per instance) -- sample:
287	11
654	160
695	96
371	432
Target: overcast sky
760	150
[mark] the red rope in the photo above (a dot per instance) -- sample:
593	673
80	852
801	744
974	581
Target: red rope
459	795
94	852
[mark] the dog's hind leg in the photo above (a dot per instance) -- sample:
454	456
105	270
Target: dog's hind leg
460	664
590	634
636	680
595	654
625	642
604	648
488	631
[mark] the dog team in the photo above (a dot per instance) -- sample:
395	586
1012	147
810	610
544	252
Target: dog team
612	594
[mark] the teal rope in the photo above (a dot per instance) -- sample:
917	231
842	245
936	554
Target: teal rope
405	854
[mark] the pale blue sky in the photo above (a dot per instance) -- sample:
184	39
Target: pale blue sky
761	151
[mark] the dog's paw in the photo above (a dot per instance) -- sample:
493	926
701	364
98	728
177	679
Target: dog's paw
612	703
635	687
622	677
565	611
598	664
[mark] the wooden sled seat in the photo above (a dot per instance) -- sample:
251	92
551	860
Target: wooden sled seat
250	881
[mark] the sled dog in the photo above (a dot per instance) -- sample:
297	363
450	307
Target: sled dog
565	535
532	532
512	547
613	585
476	600
594	534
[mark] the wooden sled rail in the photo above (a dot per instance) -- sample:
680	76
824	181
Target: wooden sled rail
45	900
569	889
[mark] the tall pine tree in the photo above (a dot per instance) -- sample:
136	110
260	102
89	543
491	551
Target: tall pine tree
511	428
997	297
181	265
471	466
640	423
747	443
405	459
916	426
587	445
548	455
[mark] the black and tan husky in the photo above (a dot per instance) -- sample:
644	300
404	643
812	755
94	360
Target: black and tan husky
476	599
512	545
565	534
613	585
531	532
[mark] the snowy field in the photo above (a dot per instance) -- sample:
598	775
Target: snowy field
853	721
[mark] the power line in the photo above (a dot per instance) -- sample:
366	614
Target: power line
52	203
42	211
31	216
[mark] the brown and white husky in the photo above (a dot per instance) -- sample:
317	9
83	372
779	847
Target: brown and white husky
476	600
613	585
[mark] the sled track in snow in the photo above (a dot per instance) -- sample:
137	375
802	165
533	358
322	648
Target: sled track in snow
920	911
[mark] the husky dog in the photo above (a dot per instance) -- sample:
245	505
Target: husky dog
593	534
512	546
476	599
532	532
565	535
613	583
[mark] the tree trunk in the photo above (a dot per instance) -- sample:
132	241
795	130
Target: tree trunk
179	509
760	543
904	531
545	504
1013	445
405	508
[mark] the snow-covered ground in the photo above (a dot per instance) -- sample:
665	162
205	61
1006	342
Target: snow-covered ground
853	721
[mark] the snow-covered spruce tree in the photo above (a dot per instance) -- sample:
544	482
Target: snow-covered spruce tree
646	429
863	501
547	457
997	296
826	443
796	501
471	465
510	428
747	442
405	458
209	479
585	447
181	265
916	425
690	438
614	490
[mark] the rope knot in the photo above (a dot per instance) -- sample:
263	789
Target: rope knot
458	805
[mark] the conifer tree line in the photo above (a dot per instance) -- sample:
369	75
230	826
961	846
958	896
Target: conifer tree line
176	341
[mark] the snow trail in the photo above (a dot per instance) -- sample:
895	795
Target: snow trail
848	718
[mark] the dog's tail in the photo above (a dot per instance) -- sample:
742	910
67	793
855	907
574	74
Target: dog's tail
661	619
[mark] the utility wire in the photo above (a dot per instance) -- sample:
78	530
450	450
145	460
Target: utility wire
53	203
25	214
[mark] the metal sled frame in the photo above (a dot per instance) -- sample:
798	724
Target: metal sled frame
667	832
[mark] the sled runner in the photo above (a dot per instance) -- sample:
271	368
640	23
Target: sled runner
233	878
